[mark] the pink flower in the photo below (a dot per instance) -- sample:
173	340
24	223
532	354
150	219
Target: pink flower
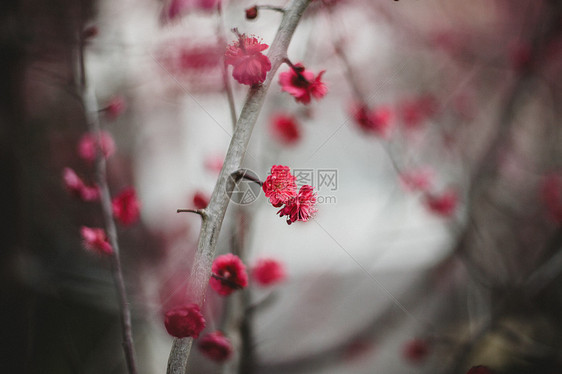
443	204
87	146
115	107
216	346
184	321
280	185
285	129
126	206
78	188
300	208
200	200
250	65
479	370
414	112
376	121
229	274
416	351
95	240
551	195
267	272
417	179
302	84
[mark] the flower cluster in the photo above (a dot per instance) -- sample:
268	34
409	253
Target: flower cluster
184	321
216	346
302	84
281	189
229	274
280	185
250	66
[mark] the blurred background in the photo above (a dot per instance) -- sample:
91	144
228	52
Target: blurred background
435	154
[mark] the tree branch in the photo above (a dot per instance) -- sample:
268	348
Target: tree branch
210	228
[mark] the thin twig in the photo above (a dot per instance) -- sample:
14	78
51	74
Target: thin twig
225	78
92	116
201	271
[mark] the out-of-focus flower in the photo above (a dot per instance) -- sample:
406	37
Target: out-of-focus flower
216	346
417	179
229	274
551	195
375	121
184	321
443	204
252	13
88	146
177	8
95	240
285	129
415	111
245	55
115	107
267	272
126	206
416	351
300	208
280	185
200	200
76	186
302	84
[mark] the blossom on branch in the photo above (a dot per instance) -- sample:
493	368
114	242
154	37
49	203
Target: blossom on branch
229	274
302	84
95	240
267	272
280	185
76	186
301	207
184	321
250	65
216	346
126	206
88	145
